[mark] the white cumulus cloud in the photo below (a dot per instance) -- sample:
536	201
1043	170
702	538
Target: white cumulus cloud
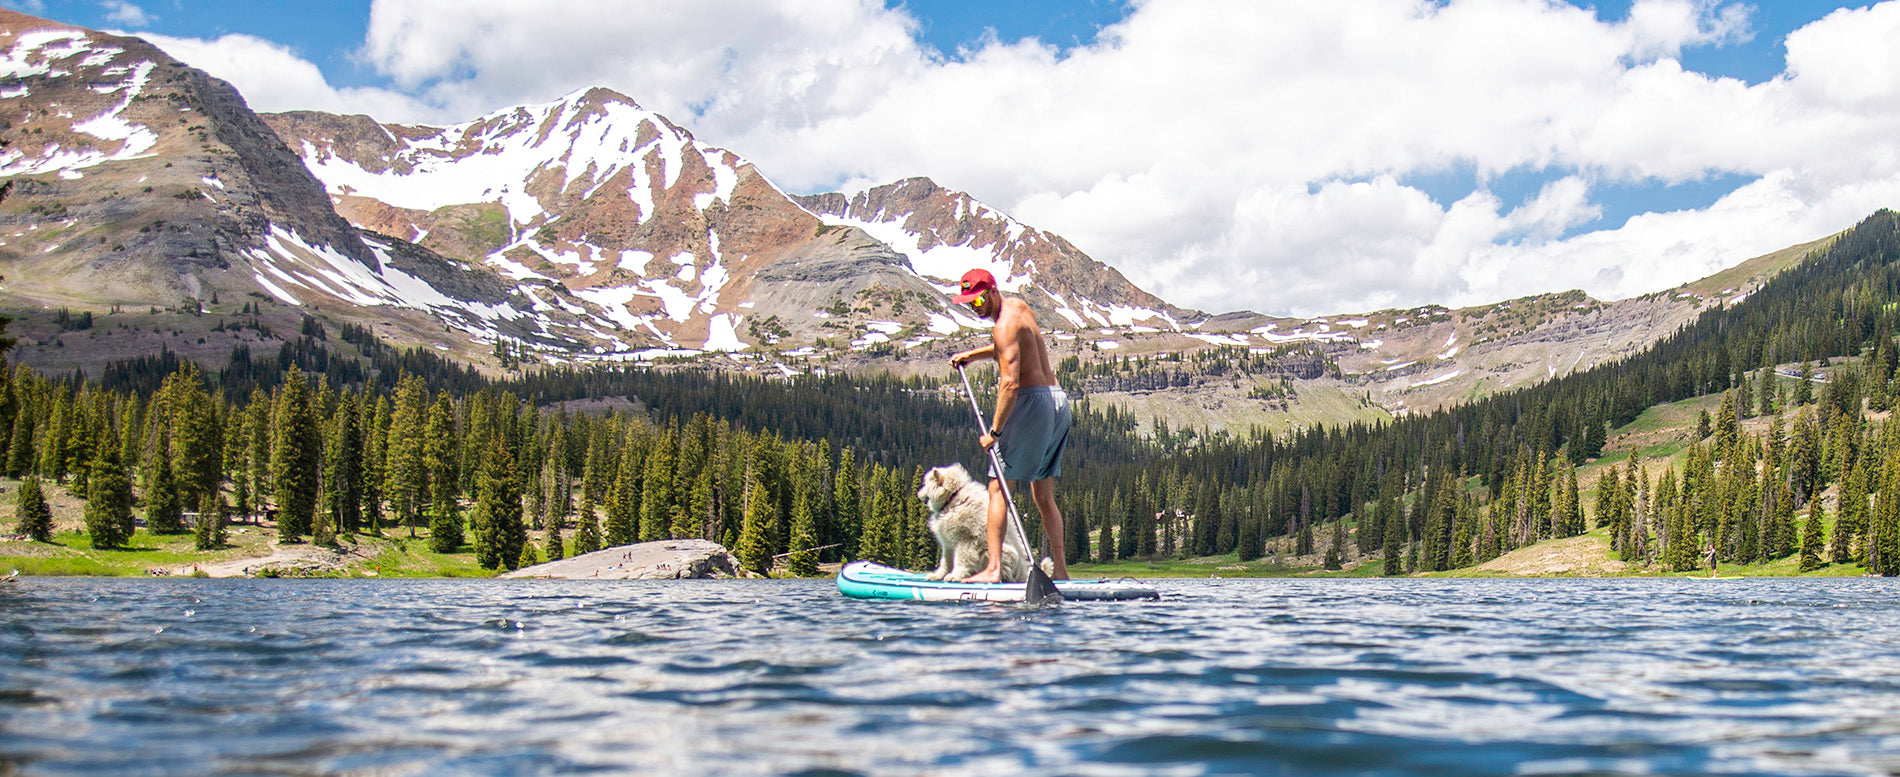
272	77
121	12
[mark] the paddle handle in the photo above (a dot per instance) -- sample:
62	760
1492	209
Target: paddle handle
1035	556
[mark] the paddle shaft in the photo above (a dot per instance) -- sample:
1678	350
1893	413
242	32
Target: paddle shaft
1035	555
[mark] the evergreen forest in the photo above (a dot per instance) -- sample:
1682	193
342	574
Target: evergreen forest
813	469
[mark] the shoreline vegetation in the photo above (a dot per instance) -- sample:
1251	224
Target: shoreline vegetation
253	550
1758	437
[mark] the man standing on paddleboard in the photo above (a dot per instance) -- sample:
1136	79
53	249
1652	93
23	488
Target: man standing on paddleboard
1032	415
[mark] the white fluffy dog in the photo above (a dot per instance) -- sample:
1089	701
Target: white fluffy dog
959	516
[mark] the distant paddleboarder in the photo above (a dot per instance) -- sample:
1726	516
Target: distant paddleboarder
1710	553
1032	415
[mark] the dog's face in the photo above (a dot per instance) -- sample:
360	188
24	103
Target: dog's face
941	483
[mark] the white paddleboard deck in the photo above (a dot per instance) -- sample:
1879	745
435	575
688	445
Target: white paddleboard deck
867	580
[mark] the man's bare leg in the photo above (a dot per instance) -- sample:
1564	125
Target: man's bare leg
999	512
1044	492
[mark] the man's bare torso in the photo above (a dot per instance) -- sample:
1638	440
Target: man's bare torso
1020	350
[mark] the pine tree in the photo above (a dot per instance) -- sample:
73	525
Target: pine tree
553	546
375	461
1394	537
847	512
343	467
1768	390
1594	437
1464	530
35	518
1336	549
52	463
163	511
623	504
407	474
322	532
296	457
1571	518
257	435
209	533
692	484
1813	538
1727	424
656	493
1850	525
1804	460
442	451
586	529
1683	551
1778	536
754	552
804	560
194	432
1883	542
20	456
1606	514
446	533
108	500
500	533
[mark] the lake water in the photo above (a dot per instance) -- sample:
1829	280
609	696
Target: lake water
1400	677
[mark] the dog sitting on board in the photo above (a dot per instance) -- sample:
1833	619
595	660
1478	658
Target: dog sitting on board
959	517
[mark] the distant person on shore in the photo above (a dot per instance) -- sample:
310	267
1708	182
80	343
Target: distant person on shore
1710	553
1032	417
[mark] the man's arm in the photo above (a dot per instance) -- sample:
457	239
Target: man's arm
973	355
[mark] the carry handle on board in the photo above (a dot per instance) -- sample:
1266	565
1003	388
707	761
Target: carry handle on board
1039	589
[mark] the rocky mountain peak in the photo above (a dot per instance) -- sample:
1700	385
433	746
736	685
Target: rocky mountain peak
137	176
947	232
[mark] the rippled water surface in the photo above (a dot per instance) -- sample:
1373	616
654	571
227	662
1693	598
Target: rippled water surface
127	677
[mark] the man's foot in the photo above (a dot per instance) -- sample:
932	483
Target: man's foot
985	576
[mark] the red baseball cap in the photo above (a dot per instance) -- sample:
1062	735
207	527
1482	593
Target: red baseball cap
975	282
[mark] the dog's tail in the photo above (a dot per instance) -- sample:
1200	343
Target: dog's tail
1048	566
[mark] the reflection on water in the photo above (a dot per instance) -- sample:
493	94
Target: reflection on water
118	677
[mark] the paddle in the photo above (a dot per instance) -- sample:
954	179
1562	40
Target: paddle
1039	589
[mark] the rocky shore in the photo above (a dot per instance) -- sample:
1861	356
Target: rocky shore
658	560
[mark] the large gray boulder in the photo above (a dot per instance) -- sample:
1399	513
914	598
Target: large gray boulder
658	560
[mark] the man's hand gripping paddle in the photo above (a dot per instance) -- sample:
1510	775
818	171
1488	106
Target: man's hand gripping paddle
1039	589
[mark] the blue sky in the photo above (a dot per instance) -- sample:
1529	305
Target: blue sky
1277	155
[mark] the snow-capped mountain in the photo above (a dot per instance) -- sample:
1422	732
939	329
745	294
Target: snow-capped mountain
669	237
944	233
663	238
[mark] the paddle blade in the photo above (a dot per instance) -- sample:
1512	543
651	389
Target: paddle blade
1040	589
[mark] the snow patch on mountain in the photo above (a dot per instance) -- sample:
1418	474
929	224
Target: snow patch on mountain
295	263
134	141
50	45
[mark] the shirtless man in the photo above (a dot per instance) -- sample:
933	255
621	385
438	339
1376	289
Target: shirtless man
1032	416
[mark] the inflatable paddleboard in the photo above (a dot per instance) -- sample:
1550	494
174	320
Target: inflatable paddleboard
867	580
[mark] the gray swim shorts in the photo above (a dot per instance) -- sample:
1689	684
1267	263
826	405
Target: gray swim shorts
1032	439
